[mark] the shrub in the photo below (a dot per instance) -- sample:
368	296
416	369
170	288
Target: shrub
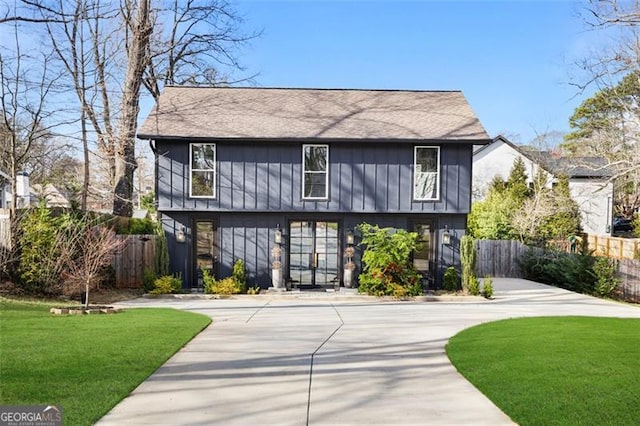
487	287
468	259
387	267
107	277
135	226
253	290
239	273
474	286
572	271
167	284
451	279
38	269
148	280
606	280
208	281
226	286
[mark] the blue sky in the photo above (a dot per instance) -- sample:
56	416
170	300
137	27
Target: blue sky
512	59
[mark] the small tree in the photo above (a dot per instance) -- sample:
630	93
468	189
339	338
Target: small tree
468	260
85	249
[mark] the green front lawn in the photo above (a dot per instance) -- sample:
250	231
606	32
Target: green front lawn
86	364
556	370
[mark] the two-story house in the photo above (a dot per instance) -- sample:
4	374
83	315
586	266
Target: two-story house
237	168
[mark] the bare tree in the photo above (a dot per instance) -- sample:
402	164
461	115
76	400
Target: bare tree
86	248
138	24
607	125
192	41
26	82
111	50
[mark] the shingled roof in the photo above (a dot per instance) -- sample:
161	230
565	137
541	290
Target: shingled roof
311	114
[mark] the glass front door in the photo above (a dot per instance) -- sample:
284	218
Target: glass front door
205	249
423	258
313	253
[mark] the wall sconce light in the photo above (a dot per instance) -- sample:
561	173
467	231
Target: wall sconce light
278	235
181	236
350	237
446	236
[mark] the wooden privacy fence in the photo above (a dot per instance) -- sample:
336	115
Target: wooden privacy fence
613	247
629	274
5	232
499	258
137	255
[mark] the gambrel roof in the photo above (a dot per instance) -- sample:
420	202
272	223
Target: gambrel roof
312	114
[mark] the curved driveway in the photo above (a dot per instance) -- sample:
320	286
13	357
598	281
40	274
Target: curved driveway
334	360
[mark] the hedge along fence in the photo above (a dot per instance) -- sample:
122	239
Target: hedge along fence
499	258
137	255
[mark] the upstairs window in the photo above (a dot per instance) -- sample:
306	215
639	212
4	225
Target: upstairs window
315	175
202	158
426	173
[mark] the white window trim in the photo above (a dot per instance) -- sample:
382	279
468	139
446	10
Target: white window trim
215	170
326	172
415	171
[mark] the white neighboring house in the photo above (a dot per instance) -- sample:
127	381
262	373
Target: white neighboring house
590	187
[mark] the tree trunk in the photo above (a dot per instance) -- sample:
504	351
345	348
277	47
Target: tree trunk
137	60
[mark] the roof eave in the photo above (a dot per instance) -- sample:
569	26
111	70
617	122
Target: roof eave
478	141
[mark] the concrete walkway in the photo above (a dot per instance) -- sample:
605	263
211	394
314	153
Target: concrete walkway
334	360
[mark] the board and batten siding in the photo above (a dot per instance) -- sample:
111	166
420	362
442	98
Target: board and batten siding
267	176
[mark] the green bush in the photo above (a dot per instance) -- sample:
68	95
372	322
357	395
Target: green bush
239	273
135	226
226	286
572	271
40	250
474	286
208	281
451	279
387	266
253	290
487	287
467	259
167	284
148	280
606	280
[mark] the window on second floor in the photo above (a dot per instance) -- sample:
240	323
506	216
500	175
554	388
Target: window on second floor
202	159
315	171
426	173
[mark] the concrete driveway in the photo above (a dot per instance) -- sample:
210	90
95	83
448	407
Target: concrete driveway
334	360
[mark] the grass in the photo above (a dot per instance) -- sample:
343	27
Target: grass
86	364
556	370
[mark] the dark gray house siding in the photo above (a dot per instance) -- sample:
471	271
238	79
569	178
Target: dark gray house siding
266	176
258	189
249	236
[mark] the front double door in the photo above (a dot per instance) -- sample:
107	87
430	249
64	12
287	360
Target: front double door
314	253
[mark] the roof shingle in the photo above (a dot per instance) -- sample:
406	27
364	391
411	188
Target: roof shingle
255	113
